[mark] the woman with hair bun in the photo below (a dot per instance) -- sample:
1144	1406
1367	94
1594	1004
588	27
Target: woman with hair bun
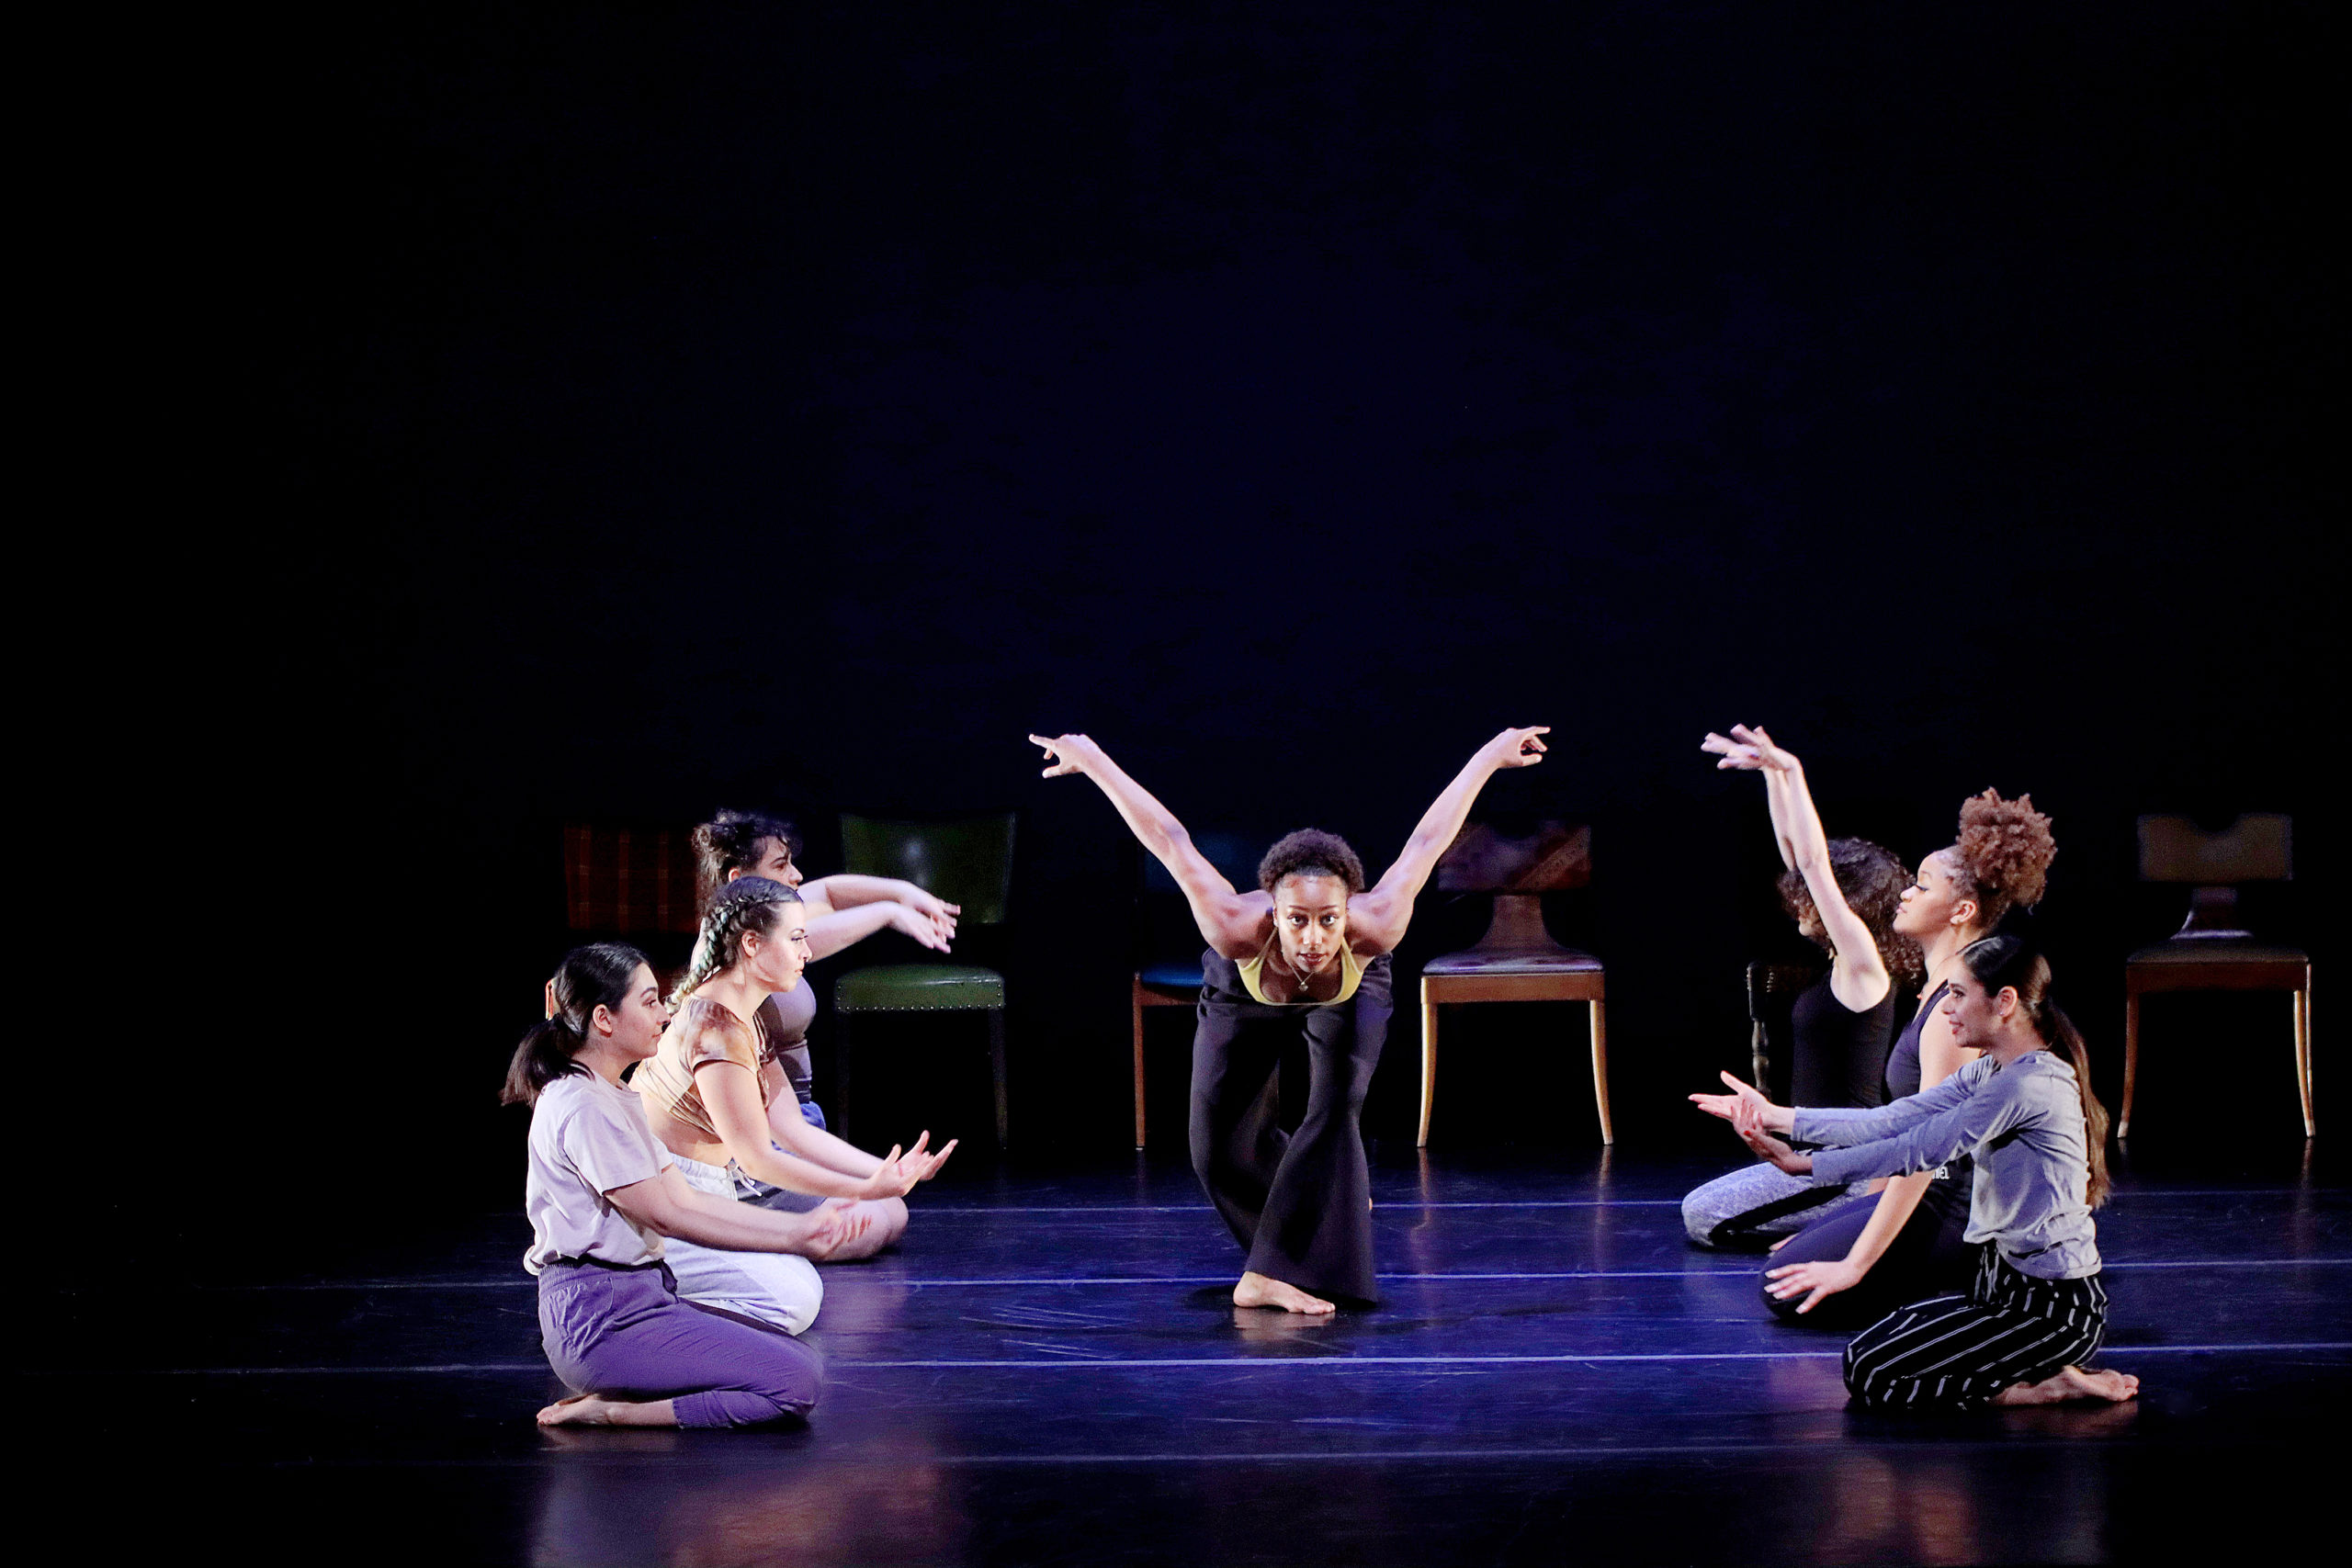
1862	1258
1844	894
606	1202
1305	955
838	911
2035	1312
710	1101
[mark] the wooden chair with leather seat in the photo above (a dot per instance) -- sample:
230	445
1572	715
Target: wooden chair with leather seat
968	862
1516	961
2211	951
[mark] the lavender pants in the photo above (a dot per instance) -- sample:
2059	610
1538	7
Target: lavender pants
624	1334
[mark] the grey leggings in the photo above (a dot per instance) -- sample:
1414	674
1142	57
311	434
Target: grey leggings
1750	1209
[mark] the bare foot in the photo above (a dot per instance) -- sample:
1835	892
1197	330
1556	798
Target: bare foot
580	1410
1257	1290
2072	1383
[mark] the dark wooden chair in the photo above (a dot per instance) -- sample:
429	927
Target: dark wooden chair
2211	952
1164	924
1516	961
1772	991
636	883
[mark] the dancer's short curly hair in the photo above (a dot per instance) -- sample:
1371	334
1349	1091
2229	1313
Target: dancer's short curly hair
1311	851
731	841
2003	856
1871	880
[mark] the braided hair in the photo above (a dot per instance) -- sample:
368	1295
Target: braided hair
746	904
597	975
2008	961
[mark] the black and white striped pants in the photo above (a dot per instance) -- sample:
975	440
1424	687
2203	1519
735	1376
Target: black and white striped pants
1956	1351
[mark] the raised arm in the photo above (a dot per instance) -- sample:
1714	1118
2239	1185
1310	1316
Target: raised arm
1859	977
1233	923
1378	919
848	907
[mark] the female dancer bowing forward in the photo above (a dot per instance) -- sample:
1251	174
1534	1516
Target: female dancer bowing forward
2036	1310
1306	956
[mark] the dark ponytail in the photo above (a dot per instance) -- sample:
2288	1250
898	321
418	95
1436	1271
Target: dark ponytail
2008	961
589	978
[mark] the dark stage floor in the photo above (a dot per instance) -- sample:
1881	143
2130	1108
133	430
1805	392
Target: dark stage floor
1047	1373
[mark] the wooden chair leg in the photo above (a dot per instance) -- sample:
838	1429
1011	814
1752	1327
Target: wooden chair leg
996	1066
1428	1062
2303	1053
1139	1023
1601	1069
2130	1058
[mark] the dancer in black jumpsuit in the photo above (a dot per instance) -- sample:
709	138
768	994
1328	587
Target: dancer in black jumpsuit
1305	955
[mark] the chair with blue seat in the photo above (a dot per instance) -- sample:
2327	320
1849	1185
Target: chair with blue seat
1175	981
968	862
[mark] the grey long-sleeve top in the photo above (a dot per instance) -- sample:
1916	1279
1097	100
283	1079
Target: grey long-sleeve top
2024	1125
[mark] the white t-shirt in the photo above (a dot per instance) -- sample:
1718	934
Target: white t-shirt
587	1138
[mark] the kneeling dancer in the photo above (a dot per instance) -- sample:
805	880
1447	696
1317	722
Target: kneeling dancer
2036	1310
601	1196
1306	956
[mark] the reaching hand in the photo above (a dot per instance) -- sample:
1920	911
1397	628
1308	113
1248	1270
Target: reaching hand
1068	754
1514	747
1747	1121
938	911
1822	1280
922	927
1749	751
1724	1105
899	1173
836	1224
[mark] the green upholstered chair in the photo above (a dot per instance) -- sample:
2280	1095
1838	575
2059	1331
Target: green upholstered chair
968	862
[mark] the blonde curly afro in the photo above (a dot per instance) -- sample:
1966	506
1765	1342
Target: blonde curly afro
2004	854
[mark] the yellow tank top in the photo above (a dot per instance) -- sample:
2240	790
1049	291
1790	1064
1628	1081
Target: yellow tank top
1351	976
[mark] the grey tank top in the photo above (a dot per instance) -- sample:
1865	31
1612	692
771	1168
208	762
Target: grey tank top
783	1023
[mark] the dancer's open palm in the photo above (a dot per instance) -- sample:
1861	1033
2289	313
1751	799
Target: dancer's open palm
1518	747
1728	1105
1747	751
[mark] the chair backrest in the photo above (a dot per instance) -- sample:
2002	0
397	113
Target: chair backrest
629	880
1554	857
1772	989
969	861
2257	847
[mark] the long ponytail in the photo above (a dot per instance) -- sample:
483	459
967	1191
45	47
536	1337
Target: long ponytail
2008	961
589	978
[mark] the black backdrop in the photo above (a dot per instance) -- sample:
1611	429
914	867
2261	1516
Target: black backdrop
644	408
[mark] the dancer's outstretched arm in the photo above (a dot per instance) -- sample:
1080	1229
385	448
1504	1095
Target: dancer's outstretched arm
1232	923
1858	976
1377	918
